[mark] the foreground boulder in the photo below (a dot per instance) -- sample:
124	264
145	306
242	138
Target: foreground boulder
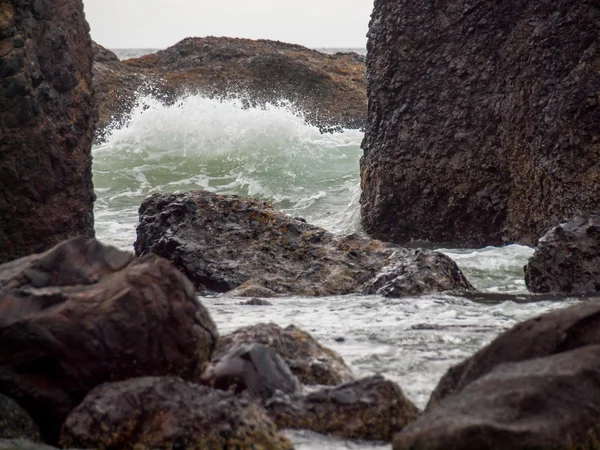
82	314
372	408
483	119
167	412
311	362
567	258
329	89
47	121
15	423
551	402
228	243
545	335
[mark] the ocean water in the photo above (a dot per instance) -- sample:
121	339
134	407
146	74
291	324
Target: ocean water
272	153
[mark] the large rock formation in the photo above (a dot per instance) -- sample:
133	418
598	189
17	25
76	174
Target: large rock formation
328	89
483	119
82	314
166	412
239	245
551	402
567	258
47	119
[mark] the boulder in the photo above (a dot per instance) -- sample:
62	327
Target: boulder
567	258
372	408
226	243
328	89
545	335
551	402
47	121
311	362
167	412
22	444
82	314
254	369
15	423
483	119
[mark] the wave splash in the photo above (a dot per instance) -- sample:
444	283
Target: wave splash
224	146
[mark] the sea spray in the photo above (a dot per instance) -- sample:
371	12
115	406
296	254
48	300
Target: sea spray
224	146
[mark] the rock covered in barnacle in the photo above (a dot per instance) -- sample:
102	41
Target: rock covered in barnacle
243	246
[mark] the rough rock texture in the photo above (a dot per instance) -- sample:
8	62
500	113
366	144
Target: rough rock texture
328	89
551	402
22	444
372	408
82	314
252	368
483	119
15	423
311	362
226	242
567	258
47	120
545	335
167	412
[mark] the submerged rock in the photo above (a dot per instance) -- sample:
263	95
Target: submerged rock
47	120
371	408
551	402
231	244
483	119
251	368
328	89
15	423
167	412
311	362
82	314
545	335
567	258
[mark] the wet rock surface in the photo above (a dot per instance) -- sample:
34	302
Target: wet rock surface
552	333
47	121
328	89
371	408
482	124
82	314
166	412
567	258
245	247
311	362
551	402
15	423
252	368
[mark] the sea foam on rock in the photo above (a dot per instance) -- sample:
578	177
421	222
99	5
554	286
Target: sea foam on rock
567	258
226	243
82	314
483	119
47	121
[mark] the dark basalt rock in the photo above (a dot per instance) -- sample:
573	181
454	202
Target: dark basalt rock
155	412
311	362
483	119
15	423
372	408
239	245
82	314
555	332
567	258
328	89
551	402
47	121
251	368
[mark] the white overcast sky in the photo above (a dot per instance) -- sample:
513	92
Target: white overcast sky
161	23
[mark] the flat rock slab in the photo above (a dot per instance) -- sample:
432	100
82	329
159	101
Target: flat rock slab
243	246
167	413
551	402
371	408
82	314
310	361
567	258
